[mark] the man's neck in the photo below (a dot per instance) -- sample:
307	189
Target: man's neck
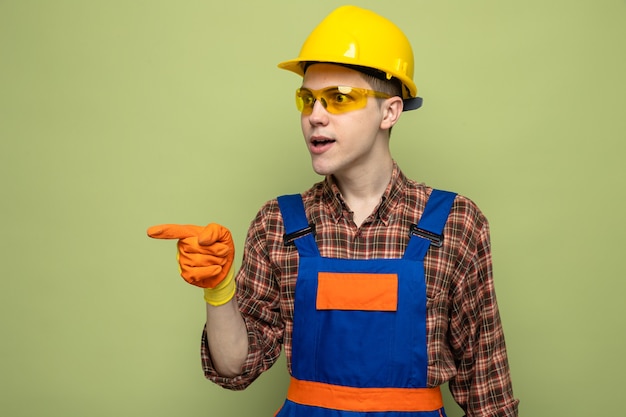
363	189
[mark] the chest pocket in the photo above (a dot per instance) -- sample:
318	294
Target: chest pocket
357	291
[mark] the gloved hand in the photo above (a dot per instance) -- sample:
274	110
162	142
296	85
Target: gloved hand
205	257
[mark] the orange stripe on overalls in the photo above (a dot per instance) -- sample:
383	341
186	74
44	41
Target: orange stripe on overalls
364	399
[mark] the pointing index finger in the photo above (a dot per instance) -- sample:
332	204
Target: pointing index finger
173	231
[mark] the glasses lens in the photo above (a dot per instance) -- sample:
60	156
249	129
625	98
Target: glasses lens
304	100
344	99
335	100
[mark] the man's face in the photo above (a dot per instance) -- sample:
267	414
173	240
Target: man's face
346	143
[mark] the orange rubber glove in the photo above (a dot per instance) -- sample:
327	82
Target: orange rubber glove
205	254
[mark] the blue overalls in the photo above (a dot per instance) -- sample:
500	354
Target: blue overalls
359	331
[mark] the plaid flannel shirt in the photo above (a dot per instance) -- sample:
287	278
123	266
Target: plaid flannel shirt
465	338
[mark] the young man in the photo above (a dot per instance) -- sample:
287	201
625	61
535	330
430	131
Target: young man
378	288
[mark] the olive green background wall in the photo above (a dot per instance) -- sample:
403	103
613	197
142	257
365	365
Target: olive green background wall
116	115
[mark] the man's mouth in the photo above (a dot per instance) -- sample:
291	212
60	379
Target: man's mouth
321	141
320	144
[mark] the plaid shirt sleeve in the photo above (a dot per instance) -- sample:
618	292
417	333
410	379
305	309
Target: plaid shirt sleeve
481	384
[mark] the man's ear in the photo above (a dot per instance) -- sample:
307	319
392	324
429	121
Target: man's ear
392	109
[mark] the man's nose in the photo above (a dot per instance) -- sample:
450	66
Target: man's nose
319	112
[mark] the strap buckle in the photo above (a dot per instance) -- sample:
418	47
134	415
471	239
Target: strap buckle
435	239
289	239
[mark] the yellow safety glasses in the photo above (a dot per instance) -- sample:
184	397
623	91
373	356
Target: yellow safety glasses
336	100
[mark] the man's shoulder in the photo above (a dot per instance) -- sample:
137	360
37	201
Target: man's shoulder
271	208
463	205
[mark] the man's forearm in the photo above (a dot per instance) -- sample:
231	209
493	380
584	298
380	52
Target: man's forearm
227	338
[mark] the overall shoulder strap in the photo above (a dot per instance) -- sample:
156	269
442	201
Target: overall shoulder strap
298	231
429	229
